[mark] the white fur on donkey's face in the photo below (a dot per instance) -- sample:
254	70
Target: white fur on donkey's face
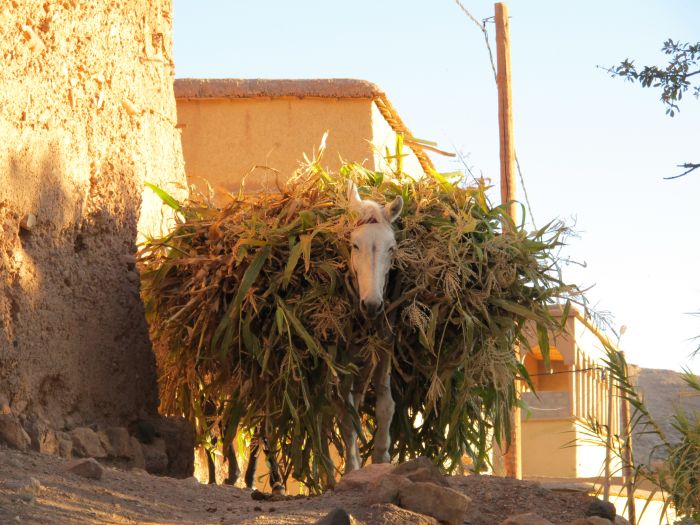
373	245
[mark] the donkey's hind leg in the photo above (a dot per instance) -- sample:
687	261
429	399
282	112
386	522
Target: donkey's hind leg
252	462
276	483
211	467
234	470
275	478
381	381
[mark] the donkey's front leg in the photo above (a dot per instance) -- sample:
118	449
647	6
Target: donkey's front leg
384	410
349	434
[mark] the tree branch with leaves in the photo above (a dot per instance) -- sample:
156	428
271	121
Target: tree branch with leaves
674	80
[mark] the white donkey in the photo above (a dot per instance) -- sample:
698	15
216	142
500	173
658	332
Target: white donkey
373	245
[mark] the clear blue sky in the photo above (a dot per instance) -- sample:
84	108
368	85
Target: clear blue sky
593	149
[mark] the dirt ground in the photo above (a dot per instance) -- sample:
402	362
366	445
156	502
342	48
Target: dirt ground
137	497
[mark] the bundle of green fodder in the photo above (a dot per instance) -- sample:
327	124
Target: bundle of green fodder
253	311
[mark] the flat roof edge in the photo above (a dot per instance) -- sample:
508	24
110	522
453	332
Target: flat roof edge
236	88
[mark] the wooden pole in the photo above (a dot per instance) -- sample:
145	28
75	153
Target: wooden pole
513	456
505	108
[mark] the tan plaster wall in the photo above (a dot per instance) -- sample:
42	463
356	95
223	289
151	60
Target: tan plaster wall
73	340
543	454
223	139
547	451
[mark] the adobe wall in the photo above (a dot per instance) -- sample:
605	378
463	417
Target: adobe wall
224	139
87	114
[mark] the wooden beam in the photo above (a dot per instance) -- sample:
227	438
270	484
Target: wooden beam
513	457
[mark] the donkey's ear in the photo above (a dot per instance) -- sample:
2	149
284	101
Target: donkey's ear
393	209
354	199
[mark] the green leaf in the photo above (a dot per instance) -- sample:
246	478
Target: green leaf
543	342
310	342
225	327
294	255
515	308
164	196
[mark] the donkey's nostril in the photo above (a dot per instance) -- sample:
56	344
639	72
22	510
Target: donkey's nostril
372	309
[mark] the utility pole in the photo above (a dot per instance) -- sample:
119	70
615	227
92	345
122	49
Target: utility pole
513	456
505	109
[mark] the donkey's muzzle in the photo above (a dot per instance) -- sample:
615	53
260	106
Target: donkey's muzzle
371	309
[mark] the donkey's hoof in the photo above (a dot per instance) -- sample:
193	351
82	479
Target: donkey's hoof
278	489
335	517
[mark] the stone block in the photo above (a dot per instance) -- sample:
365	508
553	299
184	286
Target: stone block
12	433
421	469
119	441
86	443
442	503
362	478
87	468
386	488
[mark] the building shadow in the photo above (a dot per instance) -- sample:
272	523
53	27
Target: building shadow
74	346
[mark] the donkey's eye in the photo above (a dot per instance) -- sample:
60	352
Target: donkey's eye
355	247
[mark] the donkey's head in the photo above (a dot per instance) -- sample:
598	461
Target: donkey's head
373	245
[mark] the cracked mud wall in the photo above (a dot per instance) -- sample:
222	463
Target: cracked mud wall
87	115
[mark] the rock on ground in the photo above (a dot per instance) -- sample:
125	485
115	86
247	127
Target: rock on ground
601	508
420	469
444	504
120	441
362	478
86	443
386	489
12	433
43	438
87	468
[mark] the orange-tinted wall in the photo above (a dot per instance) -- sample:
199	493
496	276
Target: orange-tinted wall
224	139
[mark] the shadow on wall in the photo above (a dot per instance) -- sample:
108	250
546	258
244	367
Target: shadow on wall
74	345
